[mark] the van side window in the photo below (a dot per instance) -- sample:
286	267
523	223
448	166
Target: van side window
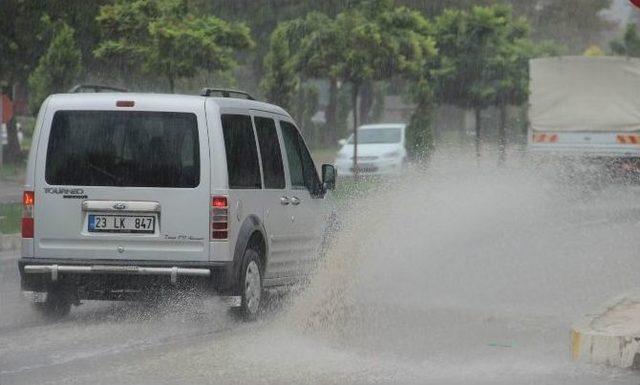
301	168
242	154
270	152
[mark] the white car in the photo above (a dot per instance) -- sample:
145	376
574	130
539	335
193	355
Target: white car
129	193
381	151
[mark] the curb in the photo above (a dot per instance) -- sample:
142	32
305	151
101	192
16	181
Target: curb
10	242
610	336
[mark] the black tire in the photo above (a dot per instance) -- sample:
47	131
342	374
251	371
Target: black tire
250	288
56	306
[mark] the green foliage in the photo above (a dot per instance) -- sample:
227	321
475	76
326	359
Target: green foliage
483	57
483	60
58	68
20	39
629	44
468	43
24	38
161	38
300	48
371	41
381	40
280	79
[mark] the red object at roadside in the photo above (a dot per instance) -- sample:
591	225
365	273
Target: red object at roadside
635	2
7	109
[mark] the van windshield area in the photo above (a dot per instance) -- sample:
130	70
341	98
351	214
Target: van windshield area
124	149
377	135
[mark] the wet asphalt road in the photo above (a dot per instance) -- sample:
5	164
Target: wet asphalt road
459	305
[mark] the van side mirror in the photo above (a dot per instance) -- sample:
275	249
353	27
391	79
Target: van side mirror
342	142
328	177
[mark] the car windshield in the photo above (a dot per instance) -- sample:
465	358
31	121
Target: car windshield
377	136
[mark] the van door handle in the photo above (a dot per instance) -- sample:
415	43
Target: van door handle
284	200
295	201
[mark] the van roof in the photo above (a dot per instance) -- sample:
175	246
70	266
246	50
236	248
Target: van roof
150	101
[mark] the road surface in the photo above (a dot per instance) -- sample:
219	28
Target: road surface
459	277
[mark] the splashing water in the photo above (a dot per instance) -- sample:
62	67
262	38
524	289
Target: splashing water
460	274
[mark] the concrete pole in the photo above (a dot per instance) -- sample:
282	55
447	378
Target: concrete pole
1	124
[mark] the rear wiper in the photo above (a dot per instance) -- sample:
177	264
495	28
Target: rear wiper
114	178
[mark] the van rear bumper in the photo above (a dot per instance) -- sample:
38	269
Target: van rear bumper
38	274
173	271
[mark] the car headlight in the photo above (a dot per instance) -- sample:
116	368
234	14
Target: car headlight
393	154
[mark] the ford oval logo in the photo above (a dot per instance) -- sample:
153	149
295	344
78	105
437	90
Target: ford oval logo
120	206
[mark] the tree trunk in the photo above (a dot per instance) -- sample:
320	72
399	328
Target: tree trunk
366	101
330	113
298	105
172	83
14	153
418	134
478	111
354	102
502	135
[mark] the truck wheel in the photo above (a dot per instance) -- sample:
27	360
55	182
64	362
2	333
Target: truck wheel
250	285
56	306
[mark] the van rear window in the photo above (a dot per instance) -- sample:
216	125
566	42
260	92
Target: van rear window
124	149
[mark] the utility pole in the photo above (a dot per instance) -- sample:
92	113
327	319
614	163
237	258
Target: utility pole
1	130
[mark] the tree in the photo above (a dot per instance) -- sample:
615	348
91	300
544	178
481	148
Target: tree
510	71
57	69
21	45
483	61
316	56
629	44
419	136
380	40
24	39
161	38
368	42
281	79
301	49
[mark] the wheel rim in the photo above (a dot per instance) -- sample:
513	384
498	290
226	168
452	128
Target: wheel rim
252	287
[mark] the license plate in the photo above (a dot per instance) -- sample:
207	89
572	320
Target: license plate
122	224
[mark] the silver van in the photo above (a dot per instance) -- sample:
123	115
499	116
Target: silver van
129	193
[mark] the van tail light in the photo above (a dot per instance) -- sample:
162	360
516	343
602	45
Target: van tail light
219	218
28	200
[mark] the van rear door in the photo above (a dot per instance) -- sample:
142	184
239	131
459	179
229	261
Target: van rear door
123	184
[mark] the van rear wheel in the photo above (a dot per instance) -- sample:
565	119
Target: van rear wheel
251	292
56	306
